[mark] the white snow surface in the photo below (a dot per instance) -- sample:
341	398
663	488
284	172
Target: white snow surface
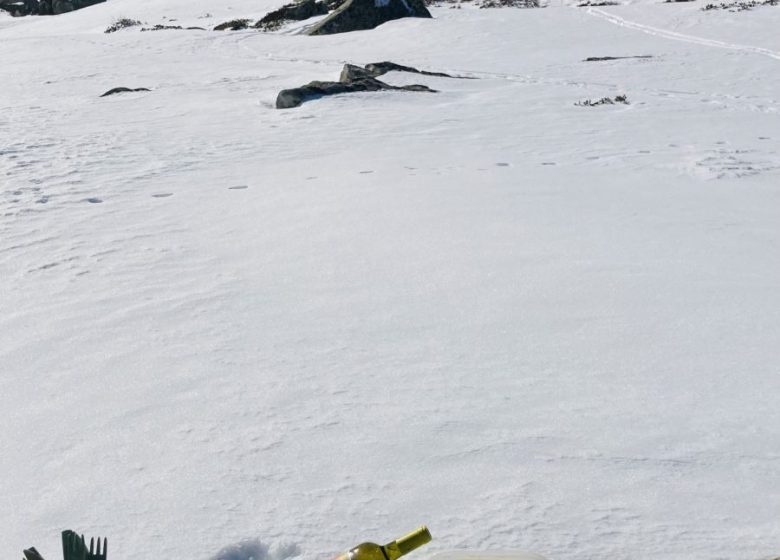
528	324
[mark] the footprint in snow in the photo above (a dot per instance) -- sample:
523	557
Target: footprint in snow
162	195
366	172
94	200
238	188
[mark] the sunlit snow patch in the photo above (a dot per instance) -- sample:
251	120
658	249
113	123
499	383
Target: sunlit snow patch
254	549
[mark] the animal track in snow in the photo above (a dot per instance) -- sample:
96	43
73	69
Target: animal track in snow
724	163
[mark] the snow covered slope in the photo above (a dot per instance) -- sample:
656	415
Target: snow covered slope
526	323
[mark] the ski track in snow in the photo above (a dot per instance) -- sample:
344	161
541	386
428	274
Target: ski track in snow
675	36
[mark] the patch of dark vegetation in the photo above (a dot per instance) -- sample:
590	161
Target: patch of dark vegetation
740	6
353	79
116	90
510	4
233	25
605	58
617	100
456	4
160	27
122	23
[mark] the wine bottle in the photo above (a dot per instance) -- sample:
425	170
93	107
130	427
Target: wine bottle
392	550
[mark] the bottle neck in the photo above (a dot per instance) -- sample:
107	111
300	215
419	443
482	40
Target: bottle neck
409	542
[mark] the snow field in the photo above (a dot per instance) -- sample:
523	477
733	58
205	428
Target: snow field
528	324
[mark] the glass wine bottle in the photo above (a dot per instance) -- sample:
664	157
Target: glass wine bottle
392	550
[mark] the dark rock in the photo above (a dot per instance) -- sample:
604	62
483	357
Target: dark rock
353	79
233	25
351	72
355	15
123	90
15	7
61	7
45	7
297	11
290	98
379	68
376	69
606	58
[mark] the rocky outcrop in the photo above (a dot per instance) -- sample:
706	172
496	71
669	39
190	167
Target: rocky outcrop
353	79
355	15
45	7
290	98
233	25
62	7
297	11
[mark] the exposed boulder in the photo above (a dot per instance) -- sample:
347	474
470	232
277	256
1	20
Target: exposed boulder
45	7
355	15
353	78
379	68
376	69
351	72
61	7
233	25
290	98
297	11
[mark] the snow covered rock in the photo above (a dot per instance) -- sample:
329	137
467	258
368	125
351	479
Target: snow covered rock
355	15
